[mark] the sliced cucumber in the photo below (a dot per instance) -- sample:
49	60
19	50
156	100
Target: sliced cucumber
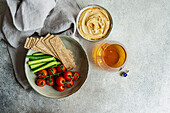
37	54
41	60
50	64
37	65
37	57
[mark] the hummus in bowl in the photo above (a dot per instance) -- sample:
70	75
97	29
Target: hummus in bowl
94	23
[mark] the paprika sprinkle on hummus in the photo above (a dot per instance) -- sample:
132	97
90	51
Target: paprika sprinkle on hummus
94	23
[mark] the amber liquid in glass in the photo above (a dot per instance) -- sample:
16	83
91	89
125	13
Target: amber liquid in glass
112	55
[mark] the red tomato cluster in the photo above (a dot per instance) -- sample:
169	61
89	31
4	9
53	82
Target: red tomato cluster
59	78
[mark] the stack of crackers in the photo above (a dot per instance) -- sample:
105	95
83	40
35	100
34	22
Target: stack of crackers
52	45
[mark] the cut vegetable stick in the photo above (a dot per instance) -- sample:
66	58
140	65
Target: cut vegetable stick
41	60
38	54
31	57
37	65
50	64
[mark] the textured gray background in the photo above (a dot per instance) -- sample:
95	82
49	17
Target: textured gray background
143	26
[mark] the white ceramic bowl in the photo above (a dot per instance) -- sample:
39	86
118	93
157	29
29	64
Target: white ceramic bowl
90	6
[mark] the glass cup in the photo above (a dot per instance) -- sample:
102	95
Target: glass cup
110	55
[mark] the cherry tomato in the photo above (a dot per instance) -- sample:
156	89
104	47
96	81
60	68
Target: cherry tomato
60	88
41	82
76	75
61	68
70	84
42	74
60	75
60	81
56	76
51	71
49	81
67	75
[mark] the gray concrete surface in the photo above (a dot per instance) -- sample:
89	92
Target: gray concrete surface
143	26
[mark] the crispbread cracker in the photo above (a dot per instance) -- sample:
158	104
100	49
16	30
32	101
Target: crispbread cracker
48	35
36	48
26	42
29	43
42	47
32	42
69	51
37	39
43	42
48	44
63	53
54	46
